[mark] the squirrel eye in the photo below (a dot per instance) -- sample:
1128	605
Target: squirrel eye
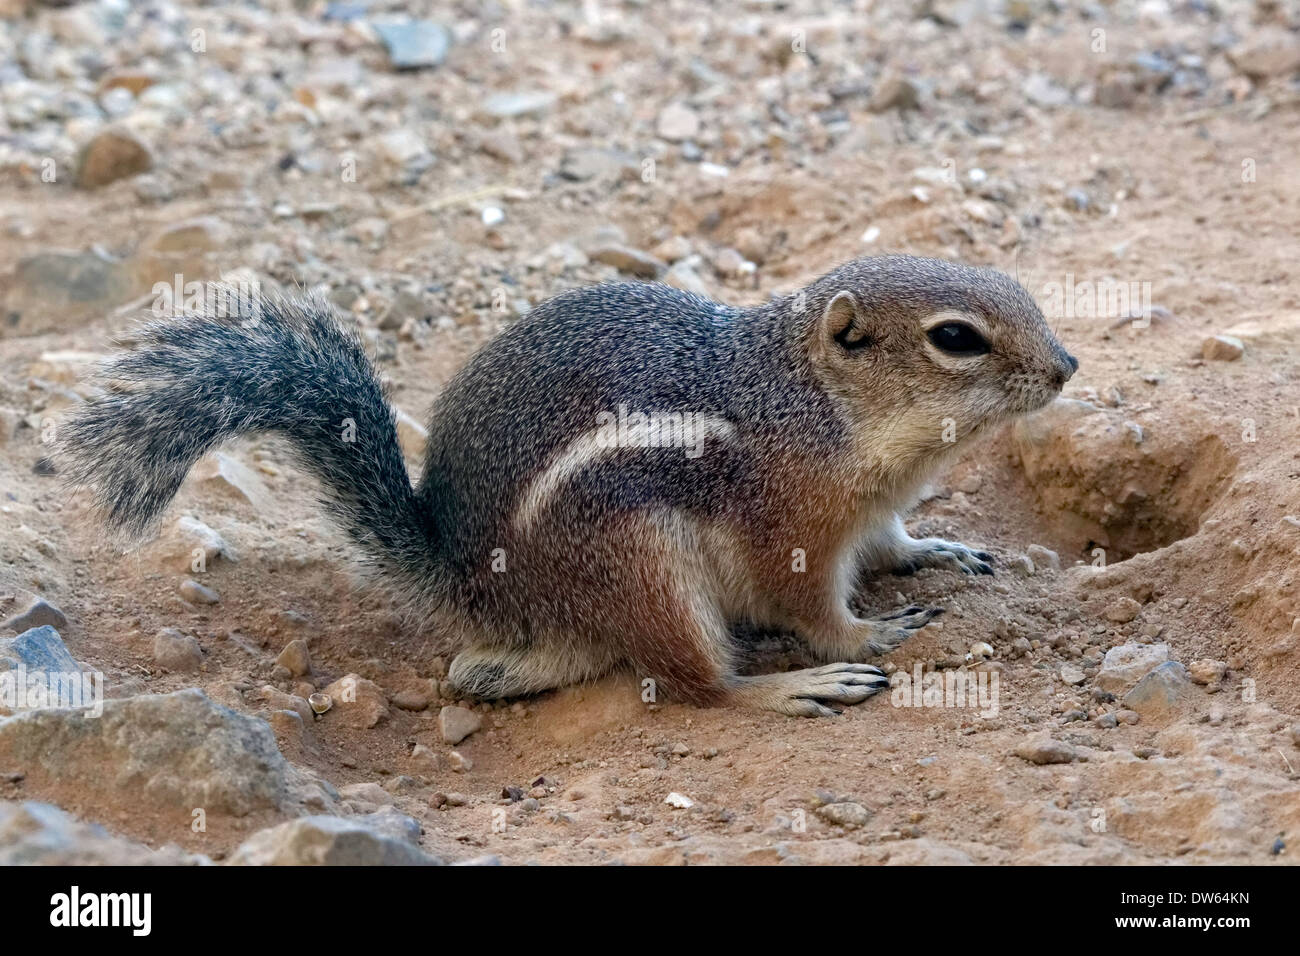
957	338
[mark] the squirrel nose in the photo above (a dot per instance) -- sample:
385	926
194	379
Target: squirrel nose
1066	366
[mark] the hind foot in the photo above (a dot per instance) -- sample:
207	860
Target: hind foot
809	693
490	672
887	632
844	637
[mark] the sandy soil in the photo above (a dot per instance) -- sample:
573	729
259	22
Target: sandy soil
1180	472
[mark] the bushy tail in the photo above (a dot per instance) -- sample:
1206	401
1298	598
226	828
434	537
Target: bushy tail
189	384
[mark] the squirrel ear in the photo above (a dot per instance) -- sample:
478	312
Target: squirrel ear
843	322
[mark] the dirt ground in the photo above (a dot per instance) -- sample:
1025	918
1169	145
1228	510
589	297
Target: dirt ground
740	151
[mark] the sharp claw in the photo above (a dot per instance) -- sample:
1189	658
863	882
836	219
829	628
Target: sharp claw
910	609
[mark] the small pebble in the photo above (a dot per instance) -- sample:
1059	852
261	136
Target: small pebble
457	723
1043	557
845	814
295	658
1222	348
459	762
196	593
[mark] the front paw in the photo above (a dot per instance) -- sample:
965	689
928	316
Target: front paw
891	630
949	555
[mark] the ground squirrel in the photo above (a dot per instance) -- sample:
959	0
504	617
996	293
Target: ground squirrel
623	474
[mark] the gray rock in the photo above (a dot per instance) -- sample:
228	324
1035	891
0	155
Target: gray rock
47	285
457	723
1159	690
196	593
1077	199
1041	89
38	649
405	153
407	305
392	822
38	834
521	103
329	841
1128	663
173	752
414	44
580	165
35	612
176	651
955	13
1072	674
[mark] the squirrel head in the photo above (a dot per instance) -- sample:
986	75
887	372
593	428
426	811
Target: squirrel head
925	352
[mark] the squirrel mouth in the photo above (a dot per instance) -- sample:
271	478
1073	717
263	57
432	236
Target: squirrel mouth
1031	396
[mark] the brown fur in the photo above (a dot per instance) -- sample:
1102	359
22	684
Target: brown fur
553	555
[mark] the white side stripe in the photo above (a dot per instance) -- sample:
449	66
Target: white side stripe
600	442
